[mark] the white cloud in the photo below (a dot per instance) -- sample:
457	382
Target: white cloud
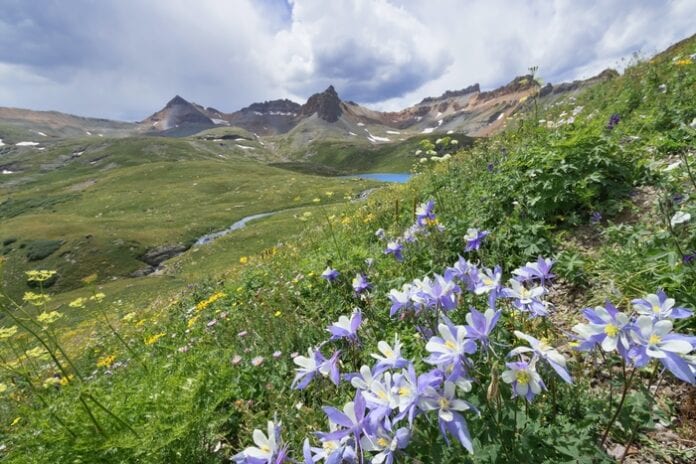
124	59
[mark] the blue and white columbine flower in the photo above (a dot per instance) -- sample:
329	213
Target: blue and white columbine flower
544	351
266	449
527	300
658	306
390	357
608	328
448	407
330	274
346	328
395	249
385	444
450	348
480	325
474	238
655	340
524	379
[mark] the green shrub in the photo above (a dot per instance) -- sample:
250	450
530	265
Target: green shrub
40	249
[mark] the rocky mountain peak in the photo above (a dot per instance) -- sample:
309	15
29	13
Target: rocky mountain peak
327	105
176	101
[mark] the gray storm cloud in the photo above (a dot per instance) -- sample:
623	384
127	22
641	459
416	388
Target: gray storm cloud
124	59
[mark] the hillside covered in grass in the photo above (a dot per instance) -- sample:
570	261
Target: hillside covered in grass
476	349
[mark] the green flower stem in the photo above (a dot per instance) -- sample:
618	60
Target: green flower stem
627	386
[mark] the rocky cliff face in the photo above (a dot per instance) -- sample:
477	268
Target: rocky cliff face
327	105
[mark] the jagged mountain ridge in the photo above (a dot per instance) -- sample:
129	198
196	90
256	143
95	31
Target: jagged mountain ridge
469	111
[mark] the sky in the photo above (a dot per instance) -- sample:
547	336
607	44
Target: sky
124	59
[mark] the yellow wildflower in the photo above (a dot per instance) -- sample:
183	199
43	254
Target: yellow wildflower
128	317
106	361
316	200
243	260
191	321
49	318
16	421
37	299
210	300
329	194
278	314
3	388
51	382
66	380
684	62
36	352
346	220
39	276
151	340
78	303
7	332
89	279
98	297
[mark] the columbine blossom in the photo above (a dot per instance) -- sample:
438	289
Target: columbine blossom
448	350
487	281
395	249
390	357
440	292
352	418
425	214
381	399
400	299
315	363
658	306
345	327
527	300
385	444
364	379
333	450
447	406
474	238
480	325
524	379
544	351
360	283
267	447
608	328
541	270
410	389
330	274
462	271
655	340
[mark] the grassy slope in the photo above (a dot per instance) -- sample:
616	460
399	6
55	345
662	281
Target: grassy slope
122	197
346	157
539	198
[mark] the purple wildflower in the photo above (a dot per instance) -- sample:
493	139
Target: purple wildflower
524	379
395	249
655	340
360	283
613	121
330	274
658	306
608	328
449	418
527	300
545	352
345	327
480	325
425	214
474	238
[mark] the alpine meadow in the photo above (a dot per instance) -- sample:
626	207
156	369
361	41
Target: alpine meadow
499	274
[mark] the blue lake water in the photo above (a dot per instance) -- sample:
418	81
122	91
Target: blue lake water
399	177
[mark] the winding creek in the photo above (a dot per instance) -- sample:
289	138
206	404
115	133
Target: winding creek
156	266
